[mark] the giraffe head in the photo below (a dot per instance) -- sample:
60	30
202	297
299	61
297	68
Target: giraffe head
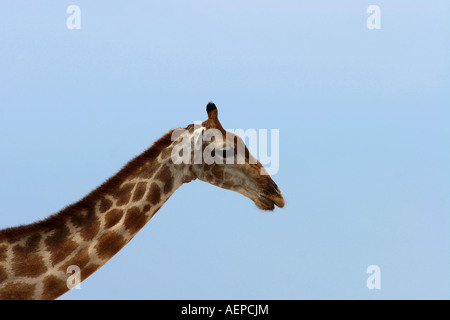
221	158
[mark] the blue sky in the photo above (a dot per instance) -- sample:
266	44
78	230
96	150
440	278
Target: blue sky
363	117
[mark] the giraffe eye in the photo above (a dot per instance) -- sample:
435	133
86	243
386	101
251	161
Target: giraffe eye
227	153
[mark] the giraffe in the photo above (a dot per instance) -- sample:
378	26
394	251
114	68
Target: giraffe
34	259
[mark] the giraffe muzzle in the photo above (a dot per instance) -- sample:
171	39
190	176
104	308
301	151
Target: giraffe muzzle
268	200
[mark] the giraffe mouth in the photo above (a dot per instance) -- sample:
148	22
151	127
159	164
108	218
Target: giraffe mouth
268	202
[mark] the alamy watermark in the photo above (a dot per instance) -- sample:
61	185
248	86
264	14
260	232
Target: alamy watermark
374	20
74	280
74	20
374	280
227	149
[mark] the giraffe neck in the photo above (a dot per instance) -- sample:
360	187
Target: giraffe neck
37	260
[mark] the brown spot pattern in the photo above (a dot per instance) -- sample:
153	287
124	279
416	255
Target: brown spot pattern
134	220
146	209
124	194
154	194
165	175
81	259
139	191
89	232
113	217
84	218
88	223
105	204
60	245
53	287
3	252
148	171
3	274
166	153
109	244
27	261
17	291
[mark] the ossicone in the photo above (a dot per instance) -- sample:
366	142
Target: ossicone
212	111
210	107
213	117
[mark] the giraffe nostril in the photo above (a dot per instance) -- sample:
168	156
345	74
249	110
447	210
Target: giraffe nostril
273	186
276	187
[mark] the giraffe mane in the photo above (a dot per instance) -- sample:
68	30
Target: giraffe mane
89	200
